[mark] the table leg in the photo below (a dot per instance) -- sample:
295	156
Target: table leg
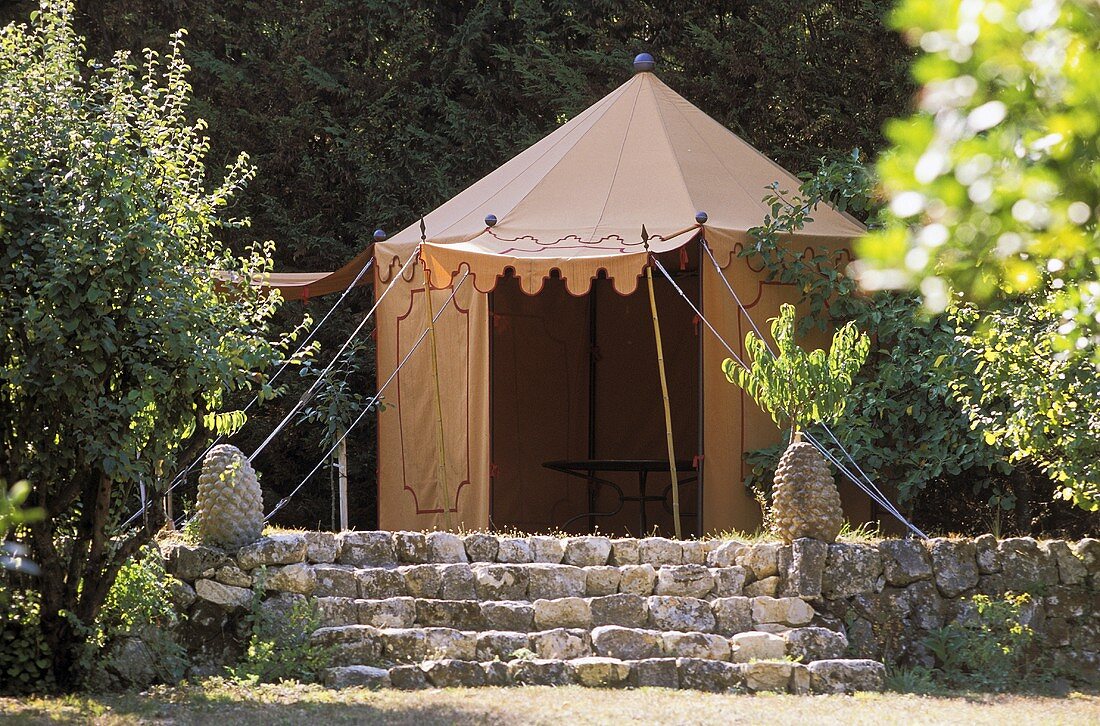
592	491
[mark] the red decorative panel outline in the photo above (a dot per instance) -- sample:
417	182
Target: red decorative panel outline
400	422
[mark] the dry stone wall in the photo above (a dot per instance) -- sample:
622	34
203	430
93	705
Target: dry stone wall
412	610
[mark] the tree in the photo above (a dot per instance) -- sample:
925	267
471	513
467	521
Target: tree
993	187
118	340
338	404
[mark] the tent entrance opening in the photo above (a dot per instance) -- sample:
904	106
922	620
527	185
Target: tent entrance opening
574	379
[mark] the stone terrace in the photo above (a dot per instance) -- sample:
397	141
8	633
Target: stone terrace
414	610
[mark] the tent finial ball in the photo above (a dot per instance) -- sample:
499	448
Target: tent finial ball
701	217
643	62
490	220
379	235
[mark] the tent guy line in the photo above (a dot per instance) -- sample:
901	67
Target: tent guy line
874	495
882	498
313	388
371	403
180	477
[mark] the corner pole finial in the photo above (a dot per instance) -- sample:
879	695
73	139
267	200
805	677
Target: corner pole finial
645	238
423	231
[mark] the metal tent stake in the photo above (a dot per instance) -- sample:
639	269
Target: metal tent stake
664	394
435	376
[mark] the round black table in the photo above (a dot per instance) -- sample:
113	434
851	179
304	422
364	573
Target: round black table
587	469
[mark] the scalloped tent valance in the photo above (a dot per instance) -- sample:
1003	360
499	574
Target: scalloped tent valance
575	201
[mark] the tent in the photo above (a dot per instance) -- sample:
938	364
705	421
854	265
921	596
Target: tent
544	349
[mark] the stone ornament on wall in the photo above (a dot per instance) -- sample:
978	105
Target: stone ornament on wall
805	501
229	505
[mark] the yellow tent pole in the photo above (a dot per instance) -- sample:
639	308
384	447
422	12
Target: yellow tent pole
435	376
664	394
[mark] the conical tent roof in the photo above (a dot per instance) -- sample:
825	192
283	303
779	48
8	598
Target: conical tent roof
575	201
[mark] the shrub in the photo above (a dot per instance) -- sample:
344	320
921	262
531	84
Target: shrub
987	650
140	605
279	645
902	423
24	655
993	184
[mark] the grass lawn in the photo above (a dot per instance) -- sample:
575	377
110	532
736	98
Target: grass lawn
224	704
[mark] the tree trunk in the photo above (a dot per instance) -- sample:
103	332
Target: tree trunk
75	580
1021	488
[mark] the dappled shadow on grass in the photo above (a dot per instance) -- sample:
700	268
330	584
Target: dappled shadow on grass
292	704
225	703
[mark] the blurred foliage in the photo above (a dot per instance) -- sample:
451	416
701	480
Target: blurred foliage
993	190
798	387
12	514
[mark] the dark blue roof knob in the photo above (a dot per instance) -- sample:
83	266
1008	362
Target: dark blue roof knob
490	220
643	62
701	217
379	235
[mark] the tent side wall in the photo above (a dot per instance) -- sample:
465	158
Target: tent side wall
410	495
732	423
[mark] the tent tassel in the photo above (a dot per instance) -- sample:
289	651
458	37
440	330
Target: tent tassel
664	394
438	403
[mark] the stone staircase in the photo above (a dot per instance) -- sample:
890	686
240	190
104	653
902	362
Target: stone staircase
412	610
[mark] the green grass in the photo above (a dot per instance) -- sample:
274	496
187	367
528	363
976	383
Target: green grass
866	533
225	703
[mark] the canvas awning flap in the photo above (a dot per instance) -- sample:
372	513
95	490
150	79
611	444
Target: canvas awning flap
304	285
559	253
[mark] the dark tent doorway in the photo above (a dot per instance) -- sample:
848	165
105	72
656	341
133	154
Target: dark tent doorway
575	378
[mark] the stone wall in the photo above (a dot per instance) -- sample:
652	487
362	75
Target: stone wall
887	596
709	609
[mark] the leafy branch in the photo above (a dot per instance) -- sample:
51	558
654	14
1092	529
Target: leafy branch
798	387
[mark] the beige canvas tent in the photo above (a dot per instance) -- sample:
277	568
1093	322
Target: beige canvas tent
546	352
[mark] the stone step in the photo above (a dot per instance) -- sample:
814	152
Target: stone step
532	581
387	548
390	549
660	612
822	676
356	644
